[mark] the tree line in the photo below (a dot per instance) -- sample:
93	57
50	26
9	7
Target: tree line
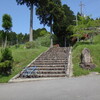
20	38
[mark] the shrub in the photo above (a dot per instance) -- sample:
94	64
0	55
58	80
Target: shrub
5	67
6	54
17	46
44	41
6	62
32	44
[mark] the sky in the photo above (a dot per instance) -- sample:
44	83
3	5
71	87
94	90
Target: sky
21	14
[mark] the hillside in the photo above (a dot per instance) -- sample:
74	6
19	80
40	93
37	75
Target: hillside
22	57
95	53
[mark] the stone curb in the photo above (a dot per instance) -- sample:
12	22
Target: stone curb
33	79
70	65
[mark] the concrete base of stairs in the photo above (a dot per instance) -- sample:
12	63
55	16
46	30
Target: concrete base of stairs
33	79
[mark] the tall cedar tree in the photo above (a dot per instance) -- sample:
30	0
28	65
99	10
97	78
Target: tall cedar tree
31	4
50	13
60	28
6	24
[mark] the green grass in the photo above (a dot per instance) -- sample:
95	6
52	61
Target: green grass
95	53
22	57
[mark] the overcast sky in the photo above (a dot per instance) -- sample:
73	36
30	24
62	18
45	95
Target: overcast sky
20	14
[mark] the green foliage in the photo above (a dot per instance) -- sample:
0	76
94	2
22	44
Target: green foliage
17	46
50	13
30	2
6	62
6	22
6	54
39	33
61	28
86	28
44	41
31	45
6	67
41	41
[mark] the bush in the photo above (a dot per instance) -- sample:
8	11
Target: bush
6	54
32	44
5	67
17	46
44	41
41	41
6	62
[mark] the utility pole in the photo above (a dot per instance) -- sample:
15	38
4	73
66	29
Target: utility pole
76	20
77	25
81	8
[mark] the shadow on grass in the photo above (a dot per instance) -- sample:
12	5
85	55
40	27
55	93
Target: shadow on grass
3	75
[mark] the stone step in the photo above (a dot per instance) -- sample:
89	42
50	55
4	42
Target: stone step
48	63
50	68
52	63
51	72
51	59
45	60
26	75
56	65
50	75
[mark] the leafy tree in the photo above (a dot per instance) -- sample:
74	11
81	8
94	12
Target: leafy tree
2	37
20	38
31	4
50	13
40	32
12	38
60	28
86	26
6	24
25	38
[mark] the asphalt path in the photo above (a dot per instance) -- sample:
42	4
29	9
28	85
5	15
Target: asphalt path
80	88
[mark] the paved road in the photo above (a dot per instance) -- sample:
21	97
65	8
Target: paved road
81	88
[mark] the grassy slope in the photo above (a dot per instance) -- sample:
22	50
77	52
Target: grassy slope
95	53
22	57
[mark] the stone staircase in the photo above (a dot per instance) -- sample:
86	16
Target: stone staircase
52	63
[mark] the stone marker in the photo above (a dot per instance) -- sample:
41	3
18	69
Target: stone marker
86	60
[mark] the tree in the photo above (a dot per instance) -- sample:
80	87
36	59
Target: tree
12	38
50	13
60	28
39	33
6	24
31	4
86	27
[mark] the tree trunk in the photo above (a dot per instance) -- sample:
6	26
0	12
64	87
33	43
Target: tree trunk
65	41
51	44
31	23
2	43
5	44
